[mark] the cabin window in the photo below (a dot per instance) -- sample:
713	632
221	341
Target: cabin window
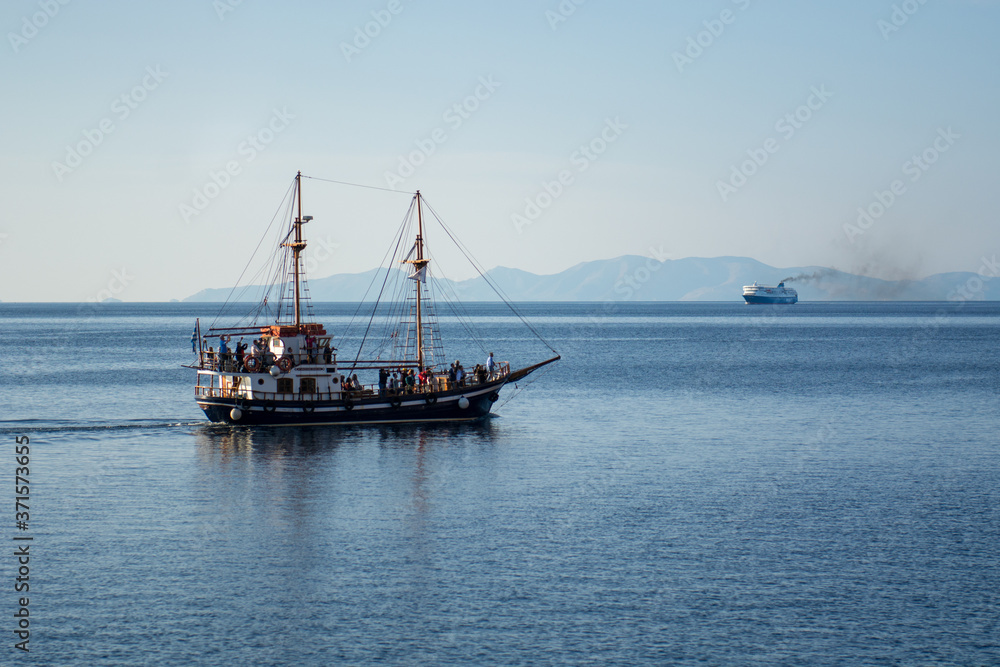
284	385
307	385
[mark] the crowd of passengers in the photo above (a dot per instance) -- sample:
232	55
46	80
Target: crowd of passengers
238	359
393	382
408	381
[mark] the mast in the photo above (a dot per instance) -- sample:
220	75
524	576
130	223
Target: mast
297	247
418	265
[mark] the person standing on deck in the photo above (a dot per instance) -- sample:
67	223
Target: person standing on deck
241	349
490	366
383	377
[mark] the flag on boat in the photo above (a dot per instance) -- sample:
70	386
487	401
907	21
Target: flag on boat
420	274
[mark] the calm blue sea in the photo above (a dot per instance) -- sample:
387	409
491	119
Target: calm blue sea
711	484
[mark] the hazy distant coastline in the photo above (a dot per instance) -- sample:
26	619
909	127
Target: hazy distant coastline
635	278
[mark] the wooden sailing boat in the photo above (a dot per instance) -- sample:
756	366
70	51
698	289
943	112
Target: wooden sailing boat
291	375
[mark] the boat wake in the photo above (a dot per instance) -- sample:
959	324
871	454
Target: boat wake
28	426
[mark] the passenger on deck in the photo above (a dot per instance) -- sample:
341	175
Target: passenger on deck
490	366
480	373
355	383
459	374
327	354
241	349
410	380
383	378
451	375
311	349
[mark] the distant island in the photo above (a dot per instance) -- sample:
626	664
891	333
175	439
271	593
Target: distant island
635	278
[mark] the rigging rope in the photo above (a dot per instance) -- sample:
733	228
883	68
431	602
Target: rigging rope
364	338
359	185
275	217
496	288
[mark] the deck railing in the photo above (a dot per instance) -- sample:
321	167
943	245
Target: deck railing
437	383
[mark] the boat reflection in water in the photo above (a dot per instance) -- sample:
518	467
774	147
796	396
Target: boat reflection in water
278	483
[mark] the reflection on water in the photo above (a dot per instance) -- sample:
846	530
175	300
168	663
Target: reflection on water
221	443
288	483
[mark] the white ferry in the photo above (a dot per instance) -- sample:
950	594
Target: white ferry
763	294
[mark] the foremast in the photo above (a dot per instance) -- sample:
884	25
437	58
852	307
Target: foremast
297	246
419	275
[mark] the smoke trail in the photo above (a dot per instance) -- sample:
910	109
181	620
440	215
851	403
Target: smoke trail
806	277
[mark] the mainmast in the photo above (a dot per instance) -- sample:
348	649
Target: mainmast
418	265
297	246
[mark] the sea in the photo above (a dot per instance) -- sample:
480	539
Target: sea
691	484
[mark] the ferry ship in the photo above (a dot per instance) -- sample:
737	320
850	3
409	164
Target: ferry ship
290	373
763	294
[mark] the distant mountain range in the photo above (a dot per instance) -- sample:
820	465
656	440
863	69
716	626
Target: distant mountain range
635	278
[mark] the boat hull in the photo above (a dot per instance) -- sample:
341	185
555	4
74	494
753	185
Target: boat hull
770	299
444	406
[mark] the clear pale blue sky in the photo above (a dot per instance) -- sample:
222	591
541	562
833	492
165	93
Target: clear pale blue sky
655	187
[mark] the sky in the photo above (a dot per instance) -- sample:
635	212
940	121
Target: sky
145	147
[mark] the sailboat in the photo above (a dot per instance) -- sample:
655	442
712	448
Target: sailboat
290	374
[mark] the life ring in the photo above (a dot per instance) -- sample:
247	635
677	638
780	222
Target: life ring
269	407
431	398
252	364
348	404
395	403
308	407
285	364
494	396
